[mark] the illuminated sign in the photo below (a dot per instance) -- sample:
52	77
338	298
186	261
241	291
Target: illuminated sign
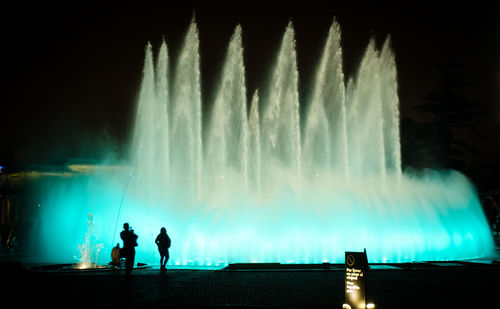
356	269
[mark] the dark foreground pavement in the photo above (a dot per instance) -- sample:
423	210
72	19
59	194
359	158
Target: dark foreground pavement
426	285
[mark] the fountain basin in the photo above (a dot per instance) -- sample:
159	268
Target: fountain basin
75	267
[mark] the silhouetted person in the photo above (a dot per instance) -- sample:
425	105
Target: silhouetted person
163	242
128	250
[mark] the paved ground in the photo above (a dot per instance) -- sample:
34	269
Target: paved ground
448	285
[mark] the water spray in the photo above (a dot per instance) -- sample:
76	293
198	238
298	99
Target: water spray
120	208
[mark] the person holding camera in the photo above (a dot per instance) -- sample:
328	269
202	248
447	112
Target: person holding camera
128	251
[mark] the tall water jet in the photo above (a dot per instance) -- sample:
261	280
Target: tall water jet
143	140
325	140
185	130
254	150
365	119
150	139
162	97
390	108
281	142
227	150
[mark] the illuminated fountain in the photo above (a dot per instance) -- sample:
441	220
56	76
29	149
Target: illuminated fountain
258	184
89	249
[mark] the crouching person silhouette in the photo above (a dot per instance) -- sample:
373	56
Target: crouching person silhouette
115	255
128	250
163	242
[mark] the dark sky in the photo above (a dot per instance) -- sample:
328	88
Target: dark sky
70	75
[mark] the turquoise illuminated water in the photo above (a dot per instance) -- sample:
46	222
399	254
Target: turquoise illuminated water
257	183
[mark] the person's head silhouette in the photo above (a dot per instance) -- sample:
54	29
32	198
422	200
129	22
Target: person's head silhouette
163	230
125	226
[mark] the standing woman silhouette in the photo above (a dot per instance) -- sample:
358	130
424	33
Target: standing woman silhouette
163	242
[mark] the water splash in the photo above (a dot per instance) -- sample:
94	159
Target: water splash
89	249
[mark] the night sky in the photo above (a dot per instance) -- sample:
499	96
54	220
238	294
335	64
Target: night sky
70	75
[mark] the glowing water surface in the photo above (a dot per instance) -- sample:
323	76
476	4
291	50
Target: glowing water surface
261	187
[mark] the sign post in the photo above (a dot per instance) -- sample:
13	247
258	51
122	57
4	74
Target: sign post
356	269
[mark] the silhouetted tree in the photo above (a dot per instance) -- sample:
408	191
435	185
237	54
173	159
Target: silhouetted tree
419	147
451	111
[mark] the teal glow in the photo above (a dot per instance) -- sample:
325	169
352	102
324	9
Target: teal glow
258	187
432	217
